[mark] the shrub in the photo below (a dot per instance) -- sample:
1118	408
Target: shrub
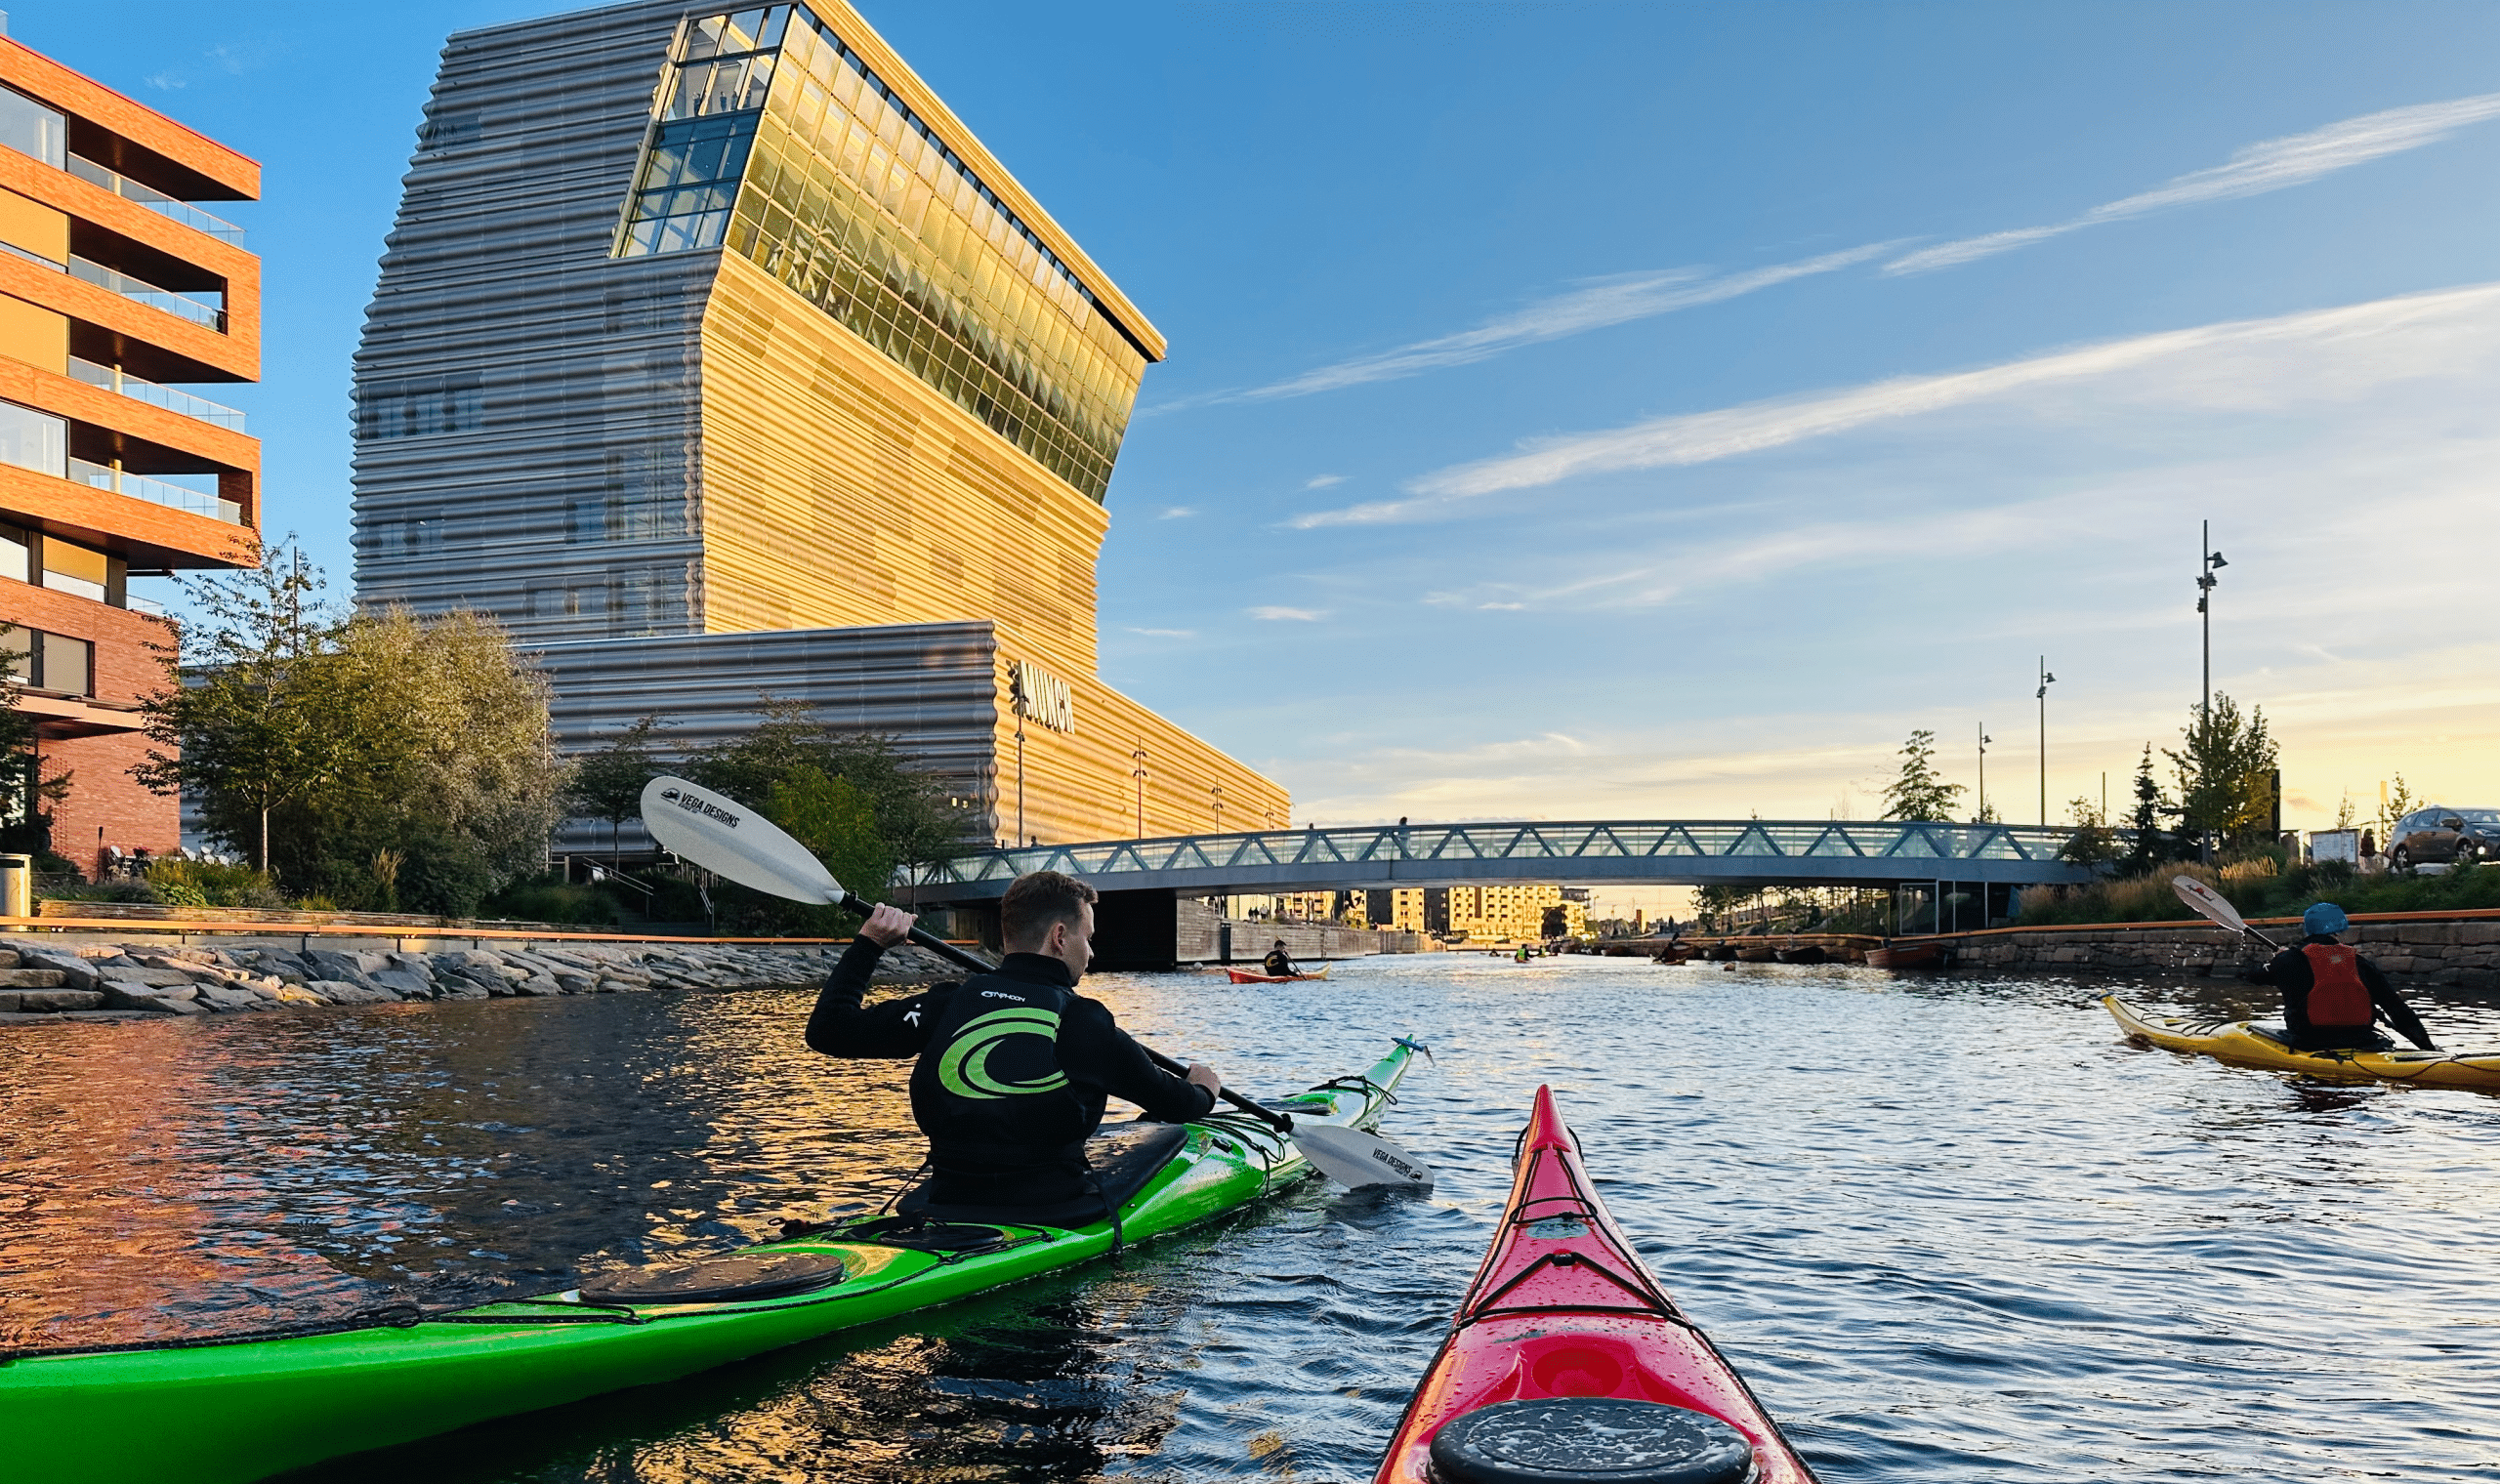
208	883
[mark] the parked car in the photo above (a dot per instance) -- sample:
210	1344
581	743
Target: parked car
2444	834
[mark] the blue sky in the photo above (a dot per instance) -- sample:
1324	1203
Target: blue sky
1653	410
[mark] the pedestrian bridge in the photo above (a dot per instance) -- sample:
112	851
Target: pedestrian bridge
1717	852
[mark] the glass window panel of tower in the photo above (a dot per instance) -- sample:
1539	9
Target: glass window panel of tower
871	218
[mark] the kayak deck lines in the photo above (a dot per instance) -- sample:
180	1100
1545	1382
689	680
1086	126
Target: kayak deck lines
2245	1044
241	1408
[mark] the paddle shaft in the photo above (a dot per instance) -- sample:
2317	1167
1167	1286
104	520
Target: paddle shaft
853	902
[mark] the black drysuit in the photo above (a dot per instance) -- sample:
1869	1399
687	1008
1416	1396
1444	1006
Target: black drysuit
1014	1069
2291	972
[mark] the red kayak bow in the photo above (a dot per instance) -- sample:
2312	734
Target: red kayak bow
1569	1362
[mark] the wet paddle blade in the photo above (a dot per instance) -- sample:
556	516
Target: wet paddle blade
2207	900
1359	1160
728	838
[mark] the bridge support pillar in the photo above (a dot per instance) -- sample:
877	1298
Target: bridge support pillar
1136	930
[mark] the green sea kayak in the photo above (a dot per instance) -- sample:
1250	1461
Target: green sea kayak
203	1414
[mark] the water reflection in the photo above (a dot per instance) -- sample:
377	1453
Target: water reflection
1953	1229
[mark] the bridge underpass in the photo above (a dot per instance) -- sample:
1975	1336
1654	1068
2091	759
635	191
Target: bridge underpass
1143	880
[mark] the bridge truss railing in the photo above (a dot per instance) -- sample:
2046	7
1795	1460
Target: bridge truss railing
1800	851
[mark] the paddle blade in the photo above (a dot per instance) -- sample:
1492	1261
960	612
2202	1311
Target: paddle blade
1355	1159
727	838
2207	900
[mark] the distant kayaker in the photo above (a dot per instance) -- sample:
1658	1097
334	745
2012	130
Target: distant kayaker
1015	1065
2331	994
1279	962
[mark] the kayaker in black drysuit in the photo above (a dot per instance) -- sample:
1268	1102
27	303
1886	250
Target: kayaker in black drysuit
1015	1065
2331	994
1279	962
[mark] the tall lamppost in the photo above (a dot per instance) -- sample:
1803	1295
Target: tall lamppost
1216	791
2207	561
1985	740
2046	681
1139	773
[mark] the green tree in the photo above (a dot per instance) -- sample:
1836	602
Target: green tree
26	820
913	821
2092	842
250	724
836	824
2221	769
608	784
1920	791
454	766
2147	847
2395	803
373	759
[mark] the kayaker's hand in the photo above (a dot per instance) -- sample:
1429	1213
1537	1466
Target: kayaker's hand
1205	1076
887	925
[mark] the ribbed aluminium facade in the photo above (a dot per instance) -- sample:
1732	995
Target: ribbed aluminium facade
698	327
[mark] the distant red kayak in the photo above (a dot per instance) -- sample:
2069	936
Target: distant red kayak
1569	1362
1907	956
1251	976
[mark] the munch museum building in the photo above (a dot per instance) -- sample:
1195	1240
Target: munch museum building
717	360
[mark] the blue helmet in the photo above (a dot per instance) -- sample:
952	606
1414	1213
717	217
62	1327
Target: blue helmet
2324	921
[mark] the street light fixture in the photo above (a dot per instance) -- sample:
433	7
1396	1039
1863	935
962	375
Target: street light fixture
2208	562
1985	740
1139	773
2046	681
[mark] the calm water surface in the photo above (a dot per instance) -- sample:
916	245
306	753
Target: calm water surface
1950	1230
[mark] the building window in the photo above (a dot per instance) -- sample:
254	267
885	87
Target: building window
416	409
74	569
44	661
30	128
32	439
15	559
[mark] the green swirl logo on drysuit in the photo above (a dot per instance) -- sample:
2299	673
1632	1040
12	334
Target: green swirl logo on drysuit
964	1070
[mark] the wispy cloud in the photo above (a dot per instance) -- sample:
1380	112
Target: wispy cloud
1274	614
1322	481
1594	306
2269	165
1167	632
1177	512
2413	335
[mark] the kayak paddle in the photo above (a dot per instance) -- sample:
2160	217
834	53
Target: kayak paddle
727	838
2206	899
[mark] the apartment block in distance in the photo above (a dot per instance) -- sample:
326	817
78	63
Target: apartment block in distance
114	288
715	357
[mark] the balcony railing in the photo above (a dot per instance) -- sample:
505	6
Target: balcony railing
198	502
115	379
146	293
155	200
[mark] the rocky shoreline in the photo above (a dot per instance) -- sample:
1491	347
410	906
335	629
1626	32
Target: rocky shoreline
43	982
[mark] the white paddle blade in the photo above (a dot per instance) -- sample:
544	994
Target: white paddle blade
1356	1160
727	838
2207	900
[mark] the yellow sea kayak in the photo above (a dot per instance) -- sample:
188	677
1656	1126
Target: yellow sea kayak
2242	1044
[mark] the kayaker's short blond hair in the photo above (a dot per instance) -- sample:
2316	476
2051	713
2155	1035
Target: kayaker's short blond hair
1038	899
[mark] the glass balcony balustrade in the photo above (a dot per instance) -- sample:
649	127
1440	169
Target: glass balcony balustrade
155	200
115	379
198	502
144	292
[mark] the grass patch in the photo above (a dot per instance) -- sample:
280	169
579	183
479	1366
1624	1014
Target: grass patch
2278	891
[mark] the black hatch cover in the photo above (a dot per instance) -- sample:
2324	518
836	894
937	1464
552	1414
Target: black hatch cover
718	1280
1589	1440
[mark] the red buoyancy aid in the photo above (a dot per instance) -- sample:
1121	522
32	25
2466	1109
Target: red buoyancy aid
2336	994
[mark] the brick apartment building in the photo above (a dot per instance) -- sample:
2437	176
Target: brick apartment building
113	288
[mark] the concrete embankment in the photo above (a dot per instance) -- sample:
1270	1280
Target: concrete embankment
49	979
2459	950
